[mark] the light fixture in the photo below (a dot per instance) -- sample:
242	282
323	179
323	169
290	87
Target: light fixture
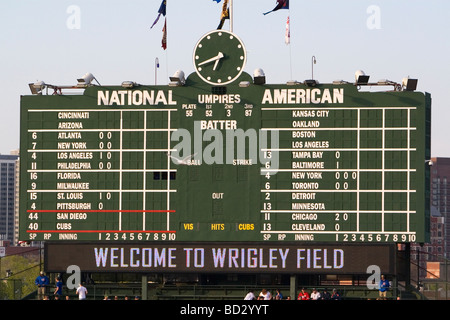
259	77
177	79
292	82
313	62
311	82
37	87
409	84
361	78
244	84
86	80
338	82
129	84
385	82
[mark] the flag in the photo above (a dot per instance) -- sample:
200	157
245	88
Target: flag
164	38
282	4
288	32
161	11
217	1
225	14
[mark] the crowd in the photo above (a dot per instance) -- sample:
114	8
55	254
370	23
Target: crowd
383	288
42	282
303	295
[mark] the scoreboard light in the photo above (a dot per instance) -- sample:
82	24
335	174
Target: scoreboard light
292	83
37	87
361	78
409	84
259	77
311	82
385	82
86	80
177	79
129	84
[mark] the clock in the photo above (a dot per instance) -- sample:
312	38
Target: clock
219	57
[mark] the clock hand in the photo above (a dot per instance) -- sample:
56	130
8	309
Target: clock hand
219	56
216	58
215	64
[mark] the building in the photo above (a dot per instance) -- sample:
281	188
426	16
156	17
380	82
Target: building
436	247
440	196
439	246
9	200
427	254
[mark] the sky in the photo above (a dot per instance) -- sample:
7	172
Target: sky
58	41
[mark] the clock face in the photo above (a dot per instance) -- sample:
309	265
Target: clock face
219	57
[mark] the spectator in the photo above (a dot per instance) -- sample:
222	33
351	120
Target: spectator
303	295
250	295
335	295
325	295
384	287
265	294
42	282
58	289
315	295
81	292
279	295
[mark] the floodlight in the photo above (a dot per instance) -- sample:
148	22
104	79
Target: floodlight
409	84
361	78
177	79
311	82
129	84
259	77
37	87
86	80
244	84
385	82
338	82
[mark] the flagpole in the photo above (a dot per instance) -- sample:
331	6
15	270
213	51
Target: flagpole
290	50
231	15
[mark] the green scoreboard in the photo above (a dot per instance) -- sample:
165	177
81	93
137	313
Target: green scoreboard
218	157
